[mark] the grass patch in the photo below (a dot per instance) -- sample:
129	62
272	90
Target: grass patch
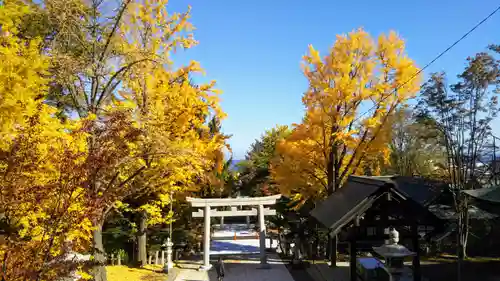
148	273
453	258
444	267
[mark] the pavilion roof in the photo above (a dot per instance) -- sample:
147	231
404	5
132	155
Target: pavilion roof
490	194
359	194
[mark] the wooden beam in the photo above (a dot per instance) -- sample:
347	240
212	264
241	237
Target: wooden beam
239	201
253	212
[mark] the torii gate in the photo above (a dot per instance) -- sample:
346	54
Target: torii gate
207	213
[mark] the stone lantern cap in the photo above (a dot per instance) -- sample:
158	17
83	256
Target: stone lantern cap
393	251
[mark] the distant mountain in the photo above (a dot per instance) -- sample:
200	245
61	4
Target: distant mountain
234	164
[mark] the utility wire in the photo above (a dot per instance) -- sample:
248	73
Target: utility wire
437	57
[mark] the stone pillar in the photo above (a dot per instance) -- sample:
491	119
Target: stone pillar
206	240
221	223
262	237
248	221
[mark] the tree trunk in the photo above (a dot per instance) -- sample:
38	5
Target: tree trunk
462	235
99	269
459	255
332	184
330	175
465	233
141	238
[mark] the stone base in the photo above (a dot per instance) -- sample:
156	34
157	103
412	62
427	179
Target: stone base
205	267
265	266
169	265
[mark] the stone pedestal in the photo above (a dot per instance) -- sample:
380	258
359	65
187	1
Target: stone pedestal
169	264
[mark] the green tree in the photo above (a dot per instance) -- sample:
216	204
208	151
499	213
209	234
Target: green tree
463	116
255	169
416	147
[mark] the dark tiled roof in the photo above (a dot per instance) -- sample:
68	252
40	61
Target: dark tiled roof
360	193
487	194
354	197
486	198
421	190
446	212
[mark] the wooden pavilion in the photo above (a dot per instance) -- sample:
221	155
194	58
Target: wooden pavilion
365	206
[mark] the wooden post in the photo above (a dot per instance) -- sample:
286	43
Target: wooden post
417	274
150	259
352	250
162	257
352	260
157	260
333	250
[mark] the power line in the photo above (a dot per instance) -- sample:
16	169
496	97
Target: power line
437	57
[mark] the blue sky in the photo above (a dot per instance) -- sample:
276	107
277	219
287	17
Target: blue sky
254	48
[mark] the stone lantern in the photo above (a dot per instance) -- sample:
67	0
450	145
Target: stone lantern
394	254
169	264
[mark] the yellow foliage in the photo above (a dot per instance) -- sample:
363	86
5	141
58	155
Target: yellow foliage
41	194
120	273
148	137
165	105
338	136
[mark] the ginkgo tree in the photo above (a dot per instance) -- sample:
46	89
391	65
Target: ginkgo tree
44	210
111	67
353	93
160	102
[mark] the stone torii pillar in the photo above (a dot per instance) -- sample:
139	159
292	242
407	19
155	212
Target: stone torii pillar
206	239
207	213
262	236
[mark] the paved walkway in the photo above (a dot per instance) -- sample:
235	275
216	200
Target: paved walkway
235	271
240	256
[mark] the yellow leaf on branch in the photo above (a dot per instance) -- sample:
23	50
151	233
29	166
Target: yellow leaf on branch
353	92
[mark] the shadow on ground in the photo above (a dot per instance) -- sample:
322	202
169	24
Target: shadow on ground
253	272
233	247
471	270
243	271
